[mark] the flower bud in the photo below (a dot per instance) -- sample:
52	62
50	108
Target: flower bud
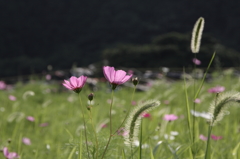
135	81
89	108
90	97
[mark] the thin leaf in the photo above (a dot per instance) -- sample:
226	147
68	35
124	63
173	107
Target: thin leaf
235	151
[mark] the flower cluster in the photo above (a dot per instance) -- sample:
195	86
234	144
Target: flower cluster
114	77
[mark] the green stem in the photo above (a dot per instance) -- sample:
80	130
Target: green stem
110	129
84	123
95	133
140	142
133	93
208	148
194	105
207	155
188	109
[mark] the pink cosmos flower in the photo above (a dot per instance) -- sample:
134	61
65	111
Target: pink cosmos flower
146	115
30	118
197	100
202	137
26	141
12	98
196	61
170	117
216	89
216	137
3	85
75	83
115	77
43	124
9	155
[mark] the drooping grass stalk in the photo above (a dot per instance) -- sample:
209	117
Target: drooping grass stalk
208	148
134	120
217	110
94	130
195	47
134	90
84	124
197	35
110	129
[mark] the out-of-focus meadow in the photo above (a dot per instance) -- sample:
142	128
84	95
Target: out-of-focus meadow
42	119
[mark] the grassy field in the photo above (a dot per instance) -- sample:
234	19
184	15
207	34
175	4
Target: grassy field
57	131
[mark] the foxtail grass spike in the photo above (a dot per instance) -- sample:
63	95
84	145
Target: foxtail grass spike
218	107
134	120
197	35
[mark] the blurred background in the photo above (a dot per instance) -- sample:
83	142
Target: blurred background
44	35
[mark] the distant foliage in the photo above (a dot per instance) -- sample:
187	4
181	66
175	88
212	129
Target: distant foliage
60	32
171	50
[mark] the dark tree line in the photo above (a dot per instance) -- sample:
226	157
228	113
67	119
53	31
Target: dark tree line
34	34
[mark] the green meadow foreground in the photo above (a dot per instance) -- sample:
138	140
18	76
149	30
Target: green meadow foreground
43	120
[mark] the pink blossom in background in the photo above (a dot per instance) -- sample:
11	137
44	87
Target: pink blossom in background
103	125
196	61
166	102
216	89
48	77
75	84
170	117
122	132
146	115
30	118
9	155
134	103
59	73
130	72
26	141
202	137
216	137
115	77
2	85
12	98
197	100
43	125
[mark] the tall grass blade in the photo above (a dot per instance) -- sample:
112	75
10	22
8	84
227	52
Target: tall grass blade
123	154
187	109
151	154
72	152
235	151
204	76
